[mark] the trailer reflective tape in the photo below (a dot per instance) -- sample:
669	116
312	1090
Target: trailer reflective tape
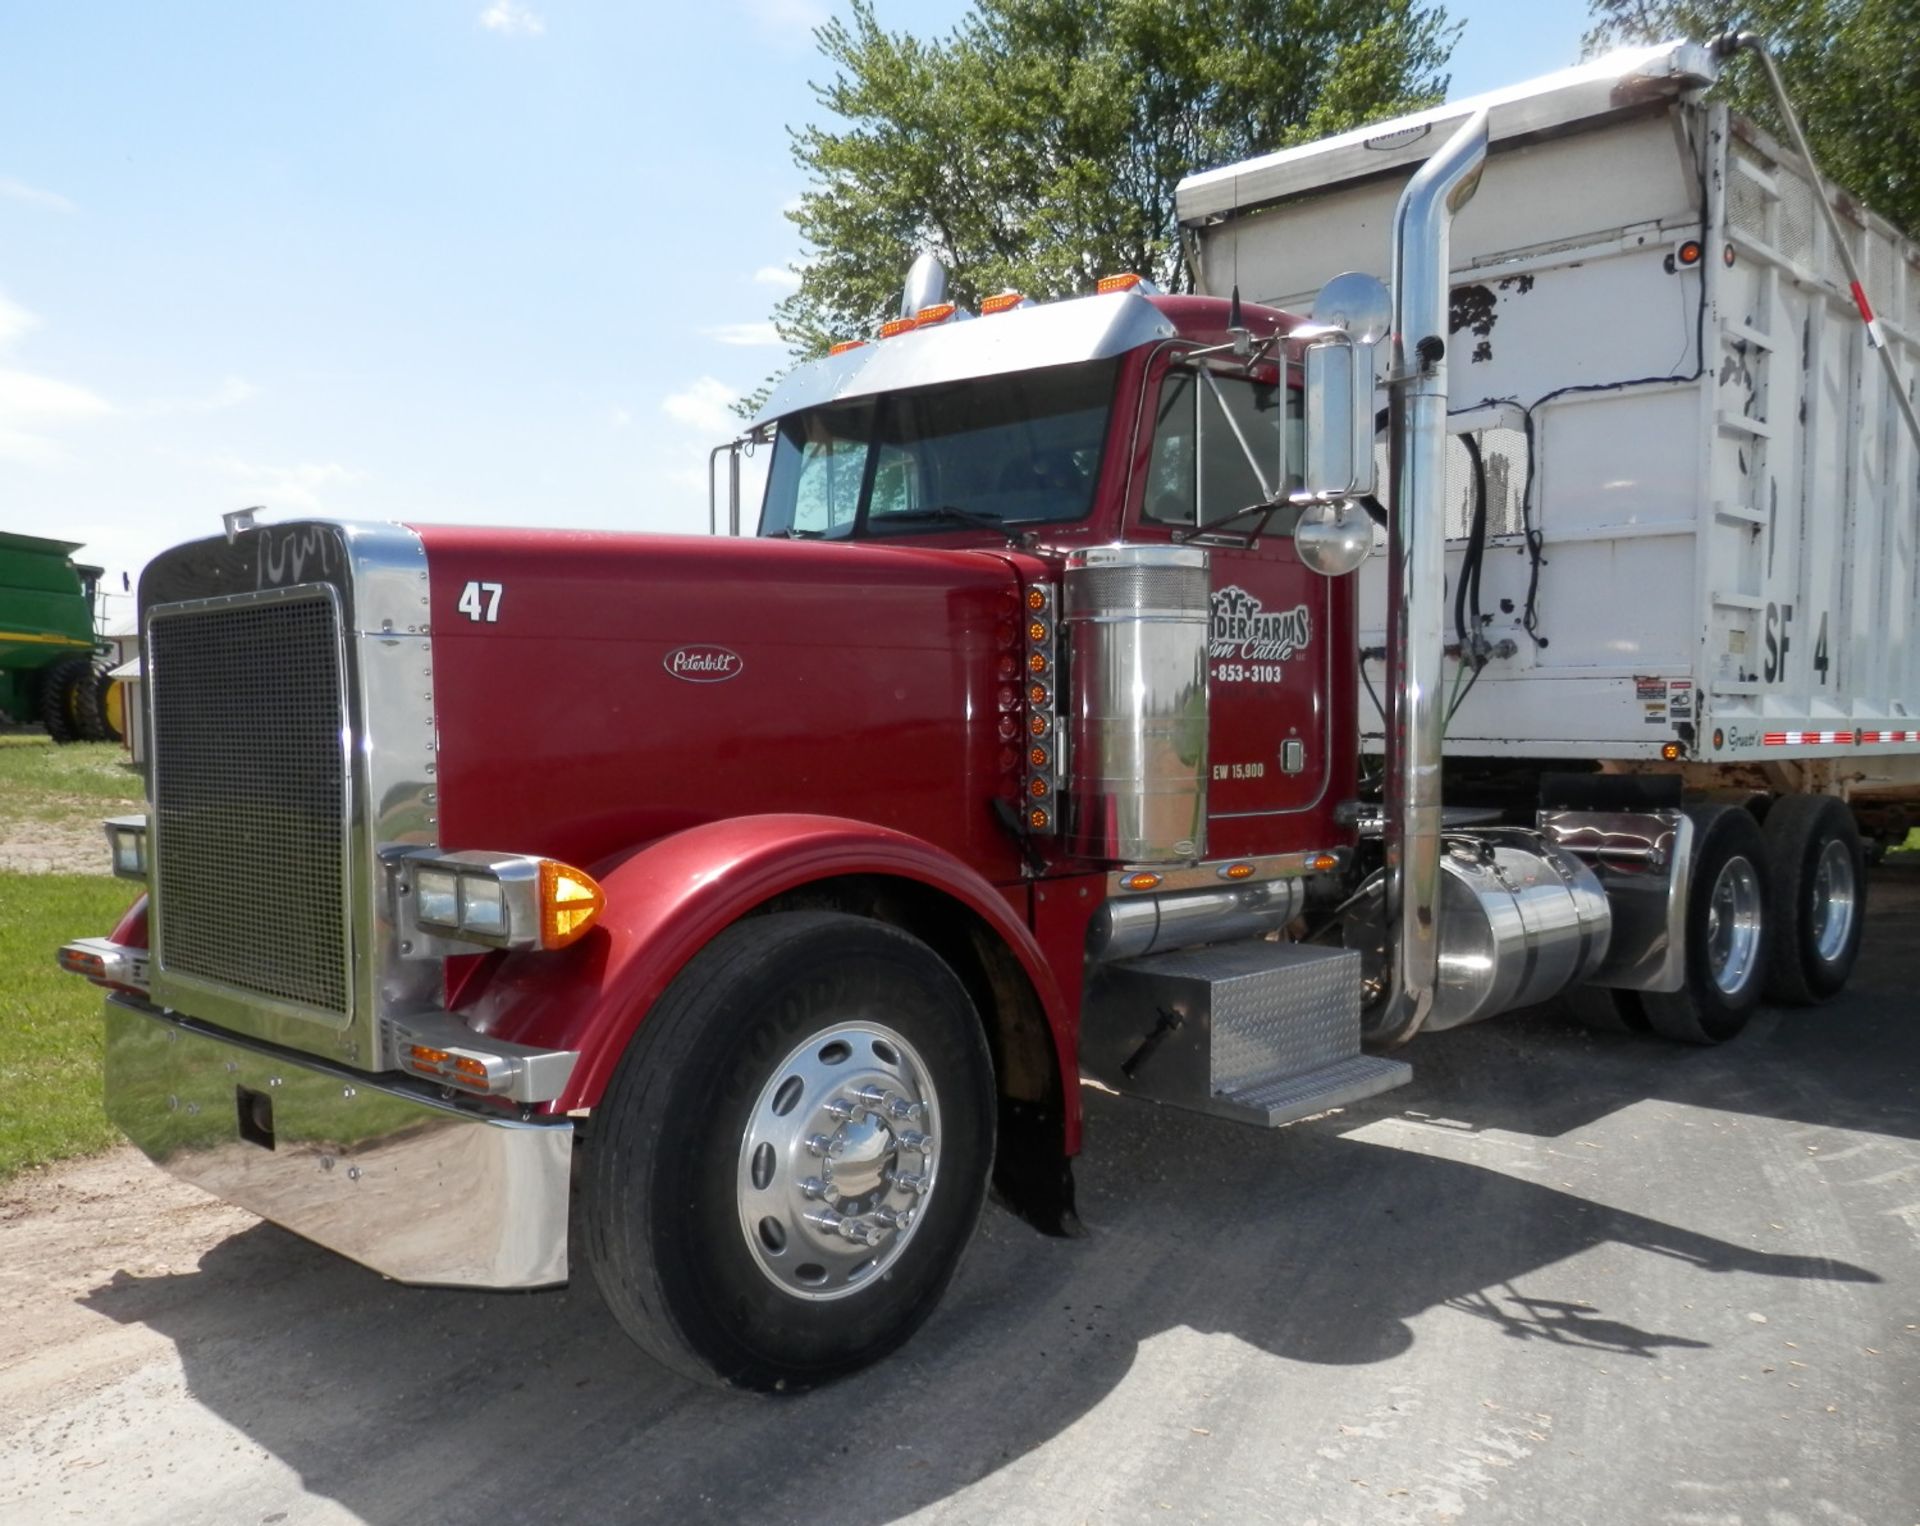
1808	739
1867	737
1874	336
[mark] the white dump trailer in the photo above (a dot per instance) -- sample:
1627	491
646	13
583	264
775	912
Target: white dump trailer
1702	508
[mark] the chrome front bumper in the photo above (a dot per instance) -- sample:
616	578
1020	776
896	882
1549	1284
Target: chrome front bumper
420	1189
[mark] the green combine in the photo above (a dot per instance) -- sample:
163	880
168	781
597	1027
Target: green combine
50	668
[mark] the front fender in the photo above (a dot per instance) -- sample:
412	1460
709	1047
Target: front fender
667	899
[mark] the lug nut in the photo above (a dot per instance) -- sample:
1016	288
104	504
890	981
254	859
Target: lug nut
840	1108
813	1187
824	1219
861	1232
909	1181
822	1144
896	1218
913	1139
899	1107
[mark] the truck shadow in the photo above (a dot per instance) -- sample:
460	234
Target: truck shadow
1315	1244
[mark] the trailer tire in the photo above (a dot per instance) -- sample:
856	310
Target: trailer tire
1817	868
1726	931
701	1221
59	700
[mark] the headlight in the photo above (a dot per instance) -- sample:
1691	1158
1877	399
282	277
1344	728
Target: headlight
127	837
494	900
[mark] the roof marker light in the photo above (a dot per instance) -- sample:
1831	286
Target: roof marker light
1129	281
895	326
939	312
846	344
1003	302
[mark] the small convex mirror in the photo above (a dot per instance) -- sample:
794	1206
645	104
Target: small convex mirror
1350	318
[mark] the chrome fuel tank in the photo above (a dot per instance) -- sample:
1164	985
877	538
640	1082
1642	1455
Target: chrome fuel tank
1136	630
1521	919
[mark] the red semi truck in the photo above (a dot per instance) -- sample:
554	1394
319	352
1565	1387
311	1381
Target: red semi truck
770	895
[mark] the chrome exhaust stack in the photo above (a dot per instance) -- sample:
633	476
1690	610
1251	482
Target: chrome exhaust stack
1417	573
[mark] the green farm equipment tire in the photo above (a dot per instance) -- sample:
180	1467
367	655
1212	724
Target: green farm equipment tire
60	698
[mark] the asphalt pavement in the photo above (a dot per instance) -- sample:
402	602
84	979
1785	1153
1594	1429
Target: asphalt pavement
1561	1278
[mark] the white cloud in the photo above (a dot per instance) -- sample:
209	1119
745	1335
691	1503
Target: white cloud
706	405
792	19
15	320
512	19
301	486
31	405
231	393
19	190
747	335
779	276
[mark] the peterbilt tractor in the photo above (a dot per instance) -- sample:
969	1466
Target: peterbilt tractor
764	898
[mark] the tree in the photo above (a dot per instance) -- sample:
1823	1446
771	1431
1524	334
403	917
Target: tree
1038	145
1852	69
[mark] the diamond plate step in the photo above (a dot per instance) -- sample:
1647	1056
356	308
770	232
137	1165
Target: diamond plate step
1257	1031
1289	1098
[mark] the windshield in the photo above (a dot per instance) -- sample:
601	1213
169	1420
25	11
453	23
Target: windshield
1006	450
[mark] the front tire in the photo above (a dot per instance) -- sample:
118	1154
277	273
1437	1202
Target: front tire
1818	868
1726	933
792	1153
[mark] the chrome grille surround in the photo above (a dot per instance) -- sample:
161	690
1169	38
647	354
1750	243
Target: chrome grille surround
377	574
251	796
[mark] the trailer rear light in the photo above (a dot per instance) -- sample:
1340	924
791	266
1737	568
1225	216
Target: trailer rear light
1003	302
846	344
127	838
897	326
1127	281
1689	252
493	900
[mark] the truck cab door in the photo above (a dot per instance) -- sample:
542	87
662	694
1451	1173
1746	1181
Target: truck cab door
1274	625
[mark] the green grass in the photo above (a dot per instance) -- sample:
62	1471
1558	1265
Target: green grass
50	1035
76	785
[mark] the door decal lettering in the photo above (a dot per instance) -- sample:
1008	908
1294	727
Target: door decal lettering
1248	642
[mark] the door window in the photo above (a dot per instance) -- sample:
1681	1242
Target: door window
1208	433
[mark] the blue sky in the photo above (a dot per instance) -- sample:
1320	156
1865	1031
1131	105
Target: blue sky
493	261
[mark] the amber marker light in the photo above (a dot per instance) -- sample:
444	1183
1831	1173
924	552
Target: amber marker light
430	1058
1036	598
1037	630
1036	787
1237	872
1671	751
1125	282
1690	252
1037	694
1037	724
897	326
1038	819
1320	863
847	344
1000	302
571	901
940	312
1140	882
1037	663
1037	756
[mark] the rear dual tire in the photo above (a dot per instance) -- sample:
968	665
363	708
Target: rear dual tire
1818	897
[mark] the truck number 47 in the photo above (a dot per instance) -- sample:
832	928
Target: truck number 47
481	601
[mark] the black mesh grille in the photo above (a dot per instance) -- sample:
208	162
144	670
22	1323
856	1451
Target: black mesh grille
250	799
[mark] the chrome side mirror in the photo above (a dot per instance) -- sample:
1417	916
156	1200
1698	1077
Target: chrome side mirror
1350	319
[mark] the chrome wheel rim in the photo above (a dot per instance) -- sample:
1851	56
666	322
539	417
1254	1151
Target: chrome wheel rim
1733	925
836	1164
1831	911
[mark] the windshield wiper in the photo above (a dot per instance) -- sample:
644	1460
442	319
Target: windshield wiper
946	514
1265	510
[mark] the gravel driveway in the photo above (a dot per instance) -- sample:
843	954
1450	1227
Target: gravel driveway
1561	1278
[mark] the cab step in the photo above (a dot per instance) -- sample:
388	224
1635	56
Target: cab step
1260	1032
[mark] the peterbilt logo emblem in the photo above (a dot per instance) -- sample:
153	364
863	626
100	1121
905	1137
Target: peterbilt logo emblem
703	664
